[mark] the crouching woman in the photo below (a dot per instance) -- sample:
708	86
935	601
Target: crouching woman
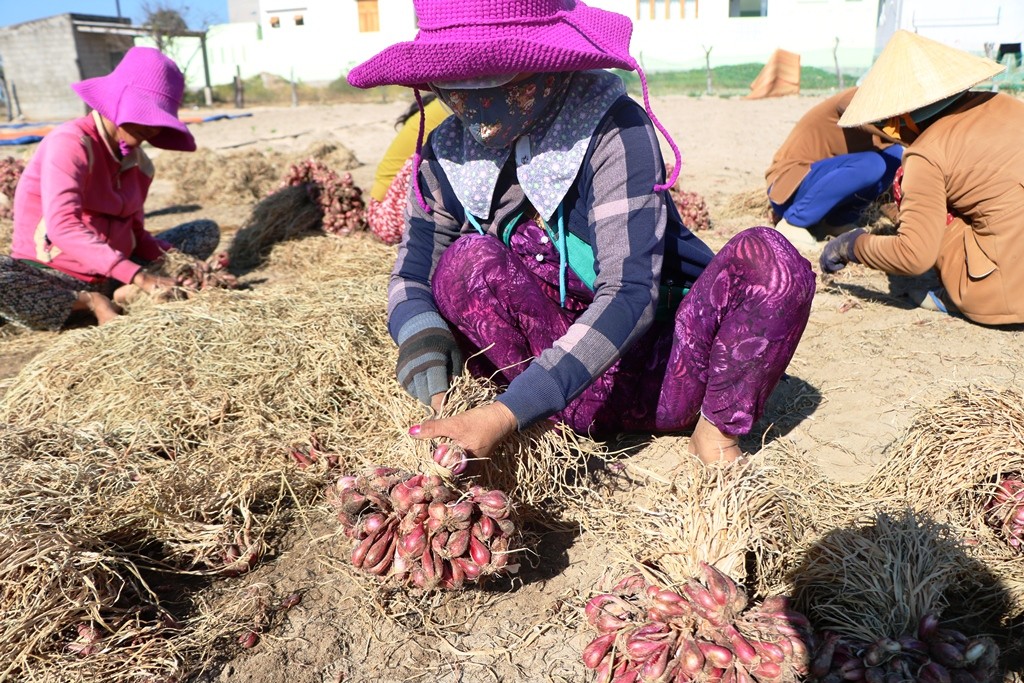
79	240
541	238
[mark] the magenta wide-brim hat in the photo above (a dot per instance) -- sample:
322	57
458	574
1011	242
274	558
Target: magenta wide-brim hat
474	38
145	88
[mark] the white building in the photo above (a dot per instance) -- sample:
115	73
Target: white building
978	26
318	41
674	34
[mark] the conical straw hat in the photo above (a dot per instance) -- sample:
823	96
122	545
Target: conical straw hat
912	72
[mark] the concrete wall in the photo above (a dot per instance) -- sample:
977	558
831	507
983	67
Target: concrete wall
100	53
43	58
40	63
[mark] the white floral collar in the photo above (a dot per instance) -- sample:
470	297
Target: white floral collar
547	160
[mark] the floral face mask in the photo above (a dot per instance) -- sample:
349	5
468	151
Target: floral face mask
497	116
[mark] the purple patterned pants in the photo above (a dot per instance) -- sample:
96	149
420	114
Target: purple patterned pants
731	340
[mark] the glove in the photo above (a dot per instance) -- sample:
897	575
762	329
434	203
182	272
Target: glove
427	358
839	251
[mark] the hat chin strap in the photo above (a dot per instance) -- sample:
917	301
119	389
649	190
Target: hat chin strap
657	124
418	156
647	104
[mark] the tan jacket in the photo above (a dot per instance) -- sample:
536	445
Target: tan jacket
817	136
968	162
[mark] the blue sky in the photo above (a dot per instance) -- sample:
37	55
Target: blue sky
197	13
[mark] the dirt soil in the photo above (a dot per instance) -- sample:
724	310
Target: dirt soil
867	363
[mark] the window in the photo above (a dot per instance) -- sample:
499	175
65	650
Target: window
275	22
748	8
115	58
299	20
369	16
666	9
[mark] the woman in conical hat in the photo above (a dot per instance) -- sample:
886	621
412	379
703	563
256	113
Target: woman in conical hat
79	239
540	234
962	206
822	176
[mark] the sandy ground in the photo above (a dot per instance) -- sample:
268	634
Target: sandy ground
867	363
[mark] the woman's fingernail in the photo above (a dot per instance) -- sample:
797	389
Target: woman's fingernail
414	430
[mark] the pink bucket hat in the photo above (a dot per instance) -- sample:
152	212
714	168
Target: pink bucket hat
145	88
472	38
466	39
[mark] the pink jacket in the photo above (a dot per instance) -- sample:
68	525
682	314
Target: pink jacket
78	209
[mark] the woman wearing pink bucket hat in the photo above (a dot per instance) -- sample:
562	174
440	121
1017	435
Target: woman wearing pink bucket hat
79	239
541	243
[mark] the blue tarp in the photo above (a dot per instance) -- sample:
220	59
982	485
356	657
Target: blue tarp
23	140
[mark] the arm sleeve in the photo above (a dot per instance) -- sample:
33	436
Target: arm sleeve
627	221
914	249
147	247
64	176
425	238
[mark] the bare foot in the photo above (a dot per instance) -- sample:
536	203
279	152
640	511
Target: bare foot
711	445
103	308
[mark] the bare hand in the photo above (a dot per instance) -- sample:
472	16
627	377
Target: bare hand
152	284
200	270
478	430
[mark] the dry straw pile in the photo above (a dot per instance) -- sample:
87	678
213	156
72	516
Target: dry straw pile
949	464
90	590
211	177
158	447
243	365
752	202
879	576
6	233
742	518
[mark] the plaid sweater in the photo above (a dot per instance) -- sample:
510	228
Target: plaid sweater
637	237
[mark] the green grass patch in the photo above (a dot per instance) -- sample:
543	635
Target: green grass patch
733	79
726	81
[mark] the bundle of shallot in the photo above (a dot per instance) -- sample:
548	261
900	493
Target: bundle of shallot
706	632
10	171
1005	511
240	553
312	455
932	655
338	197
691	205
193	273
423	531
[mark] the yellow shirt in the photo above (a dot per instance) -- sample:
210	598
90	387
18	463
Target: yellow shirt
403	147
